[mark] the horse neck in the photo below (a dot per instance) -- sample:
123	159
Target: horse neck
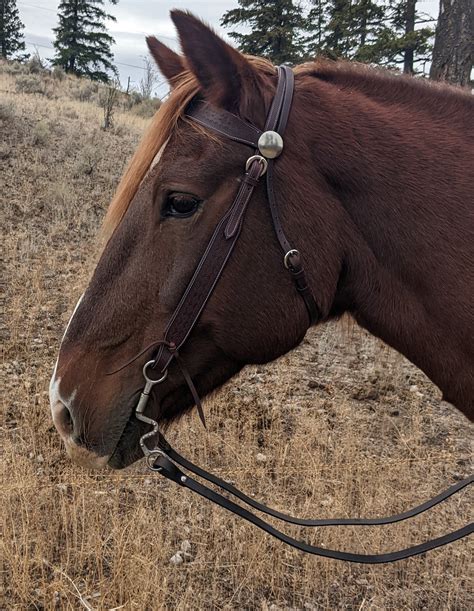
388	240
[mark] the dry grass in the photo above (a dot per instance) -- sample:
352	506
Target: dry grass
341	430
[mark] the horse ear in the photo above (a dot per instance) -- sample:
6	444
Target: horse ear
221	70
170	63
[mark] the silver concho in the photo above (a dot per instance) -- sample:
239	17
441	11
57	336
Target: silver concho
270	144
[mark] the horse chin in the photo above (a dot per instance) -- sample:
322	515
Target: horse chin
127	450
174	404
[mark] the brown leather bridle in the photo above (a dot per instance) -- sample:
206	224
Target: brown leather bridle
267	146
227	232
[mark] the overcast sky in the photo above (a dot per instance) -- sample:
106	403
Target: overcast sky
135	20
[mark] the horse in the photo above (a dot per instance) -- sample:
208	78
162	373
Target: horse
374	188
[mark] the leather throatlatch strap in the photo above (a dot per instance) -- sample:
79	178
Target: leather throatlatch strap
294	262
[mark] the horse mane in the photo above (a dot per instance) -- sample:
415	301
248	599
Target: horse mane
374	82
389	86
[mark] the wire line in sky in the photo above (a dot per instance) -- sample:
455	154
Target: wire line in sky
38	44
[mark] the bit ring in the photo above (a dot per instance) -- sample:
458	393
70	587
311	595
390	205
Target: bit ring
151	380
151	458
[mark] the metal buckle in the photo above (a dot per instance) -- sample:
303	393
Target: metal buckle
262	160
286	259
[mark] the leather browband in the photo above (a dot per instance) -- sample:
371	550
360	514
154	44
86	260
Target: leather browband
224	123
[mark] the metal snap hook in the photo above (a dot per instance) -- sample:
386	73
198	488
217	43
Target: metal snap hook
150	382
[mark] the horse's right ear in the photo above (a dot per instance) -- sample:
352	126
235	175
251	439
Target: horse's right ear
170	63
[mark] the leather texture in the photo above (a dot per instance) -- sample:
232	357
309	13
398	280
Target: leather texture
224	123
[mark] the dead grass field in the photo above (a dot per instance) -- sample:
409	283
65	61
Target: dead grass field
347	427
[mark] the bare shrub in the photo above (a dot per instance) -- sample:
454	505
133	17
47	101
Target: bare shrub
85	92
120	130
58	73
70	113
29	84
7	111
40	134
35	65
86	162
12	67
132	99
108	101
149	80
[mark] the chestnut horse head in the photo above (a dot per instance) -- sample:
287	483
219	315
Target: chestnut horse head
374	187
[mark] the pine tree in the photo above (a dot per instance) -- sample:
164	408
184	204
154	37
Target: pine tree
368	26
276	29
408	43
82	43
398	42
337	40
453	53
374	31
316	23
346	28
11	29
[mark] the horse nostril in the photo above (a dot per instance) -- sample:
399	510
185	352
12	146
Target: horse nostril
64	420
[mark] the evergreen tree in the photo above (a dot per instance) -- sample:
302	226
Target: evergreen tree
337	41
82	43
346	28
316	23
368	26
374	31
11	29
453	53
276	29
407	44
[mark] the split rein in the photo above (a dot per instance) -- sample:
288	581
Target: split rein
166	461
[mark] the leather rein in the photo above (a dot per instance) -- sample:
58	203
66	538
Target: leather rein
163	459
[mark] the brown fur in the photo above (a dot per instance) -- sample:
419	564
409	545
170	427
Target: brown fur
375	190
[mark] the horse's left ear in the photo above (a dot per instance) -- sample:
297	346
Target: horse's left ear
170	63
223	72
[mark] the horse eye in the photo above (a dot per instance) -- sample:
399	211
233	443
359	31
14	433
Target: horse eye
181	205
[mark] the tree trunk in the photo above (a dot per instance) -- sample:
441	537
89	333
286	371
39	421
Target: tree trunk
453	51
409	28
